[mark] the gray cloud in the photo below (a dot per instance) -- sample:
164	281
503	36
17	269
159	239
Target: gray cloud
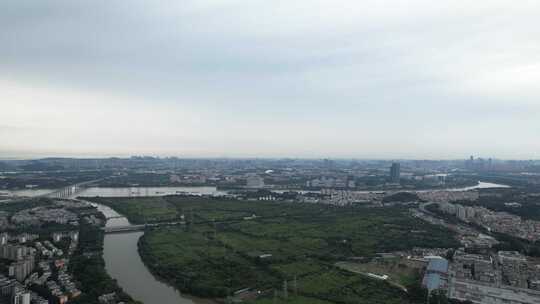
314	78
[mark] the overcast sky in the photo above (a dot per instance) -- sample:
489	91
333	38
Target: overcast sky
260	78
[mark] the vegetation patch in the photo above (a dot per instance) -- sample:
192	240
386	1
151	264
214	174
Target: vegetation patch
223	248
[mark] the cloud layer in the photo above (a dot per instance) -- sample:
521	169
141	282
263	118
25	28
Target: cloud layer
301	78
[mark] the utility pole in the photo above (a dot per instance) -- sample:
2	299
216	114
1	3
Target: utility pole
285	290
215	229
228	300
295	286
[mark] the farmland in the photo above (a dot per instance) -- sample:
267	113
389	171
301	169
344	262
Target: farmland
229	245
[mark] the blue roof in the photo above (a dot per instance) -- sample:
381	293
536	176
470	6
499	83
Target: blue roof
437	265
432	281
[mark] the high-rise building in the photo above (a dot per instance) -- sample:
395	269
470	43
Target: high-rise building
12	252
21	269
4	238
395	172
21	297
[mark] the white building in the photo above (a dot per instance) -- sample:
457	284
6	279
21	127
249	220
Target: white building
21	297
4	238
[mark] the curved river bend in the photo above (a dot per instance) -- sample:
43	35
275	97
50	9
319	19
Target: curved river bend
124	264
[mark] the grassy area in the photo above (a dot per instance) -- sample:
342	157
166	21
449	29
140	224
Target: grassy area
290	300
345	287
399	270
299	268
220	252
197	263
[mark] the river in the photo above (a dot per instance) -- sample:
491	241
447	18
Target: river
122	260
206	190
148	191
120	192
481	185
123	263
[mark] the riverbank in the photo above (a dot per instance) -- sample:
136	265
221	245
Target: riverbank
210	190
164	280
170	279
283	242
88	267
123	263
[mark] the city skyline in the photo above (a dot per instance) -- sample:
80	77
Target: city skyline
300	79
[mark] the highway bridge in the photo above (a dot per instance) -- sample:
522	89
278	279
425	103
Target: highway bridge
67	192
72	190
120	229
131	228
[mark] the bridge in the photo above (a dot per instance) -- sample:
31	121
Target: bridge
115	217
120	229
72	190
66	192
132	228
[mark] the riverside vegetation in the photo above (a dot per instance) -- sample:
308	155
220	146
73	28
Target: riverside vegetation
229	245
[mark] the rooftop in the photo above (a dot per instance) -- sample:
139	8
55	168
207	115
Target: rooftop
437	265
432	281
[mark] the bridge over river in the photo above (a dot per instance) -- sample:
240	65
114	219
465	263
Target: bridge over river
130	228
72	190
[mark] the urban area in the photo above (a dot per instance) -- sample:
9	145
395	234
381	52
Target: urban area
487	212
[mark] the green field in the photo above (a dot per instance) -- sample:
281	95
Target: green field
291	300
219	251
400	271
